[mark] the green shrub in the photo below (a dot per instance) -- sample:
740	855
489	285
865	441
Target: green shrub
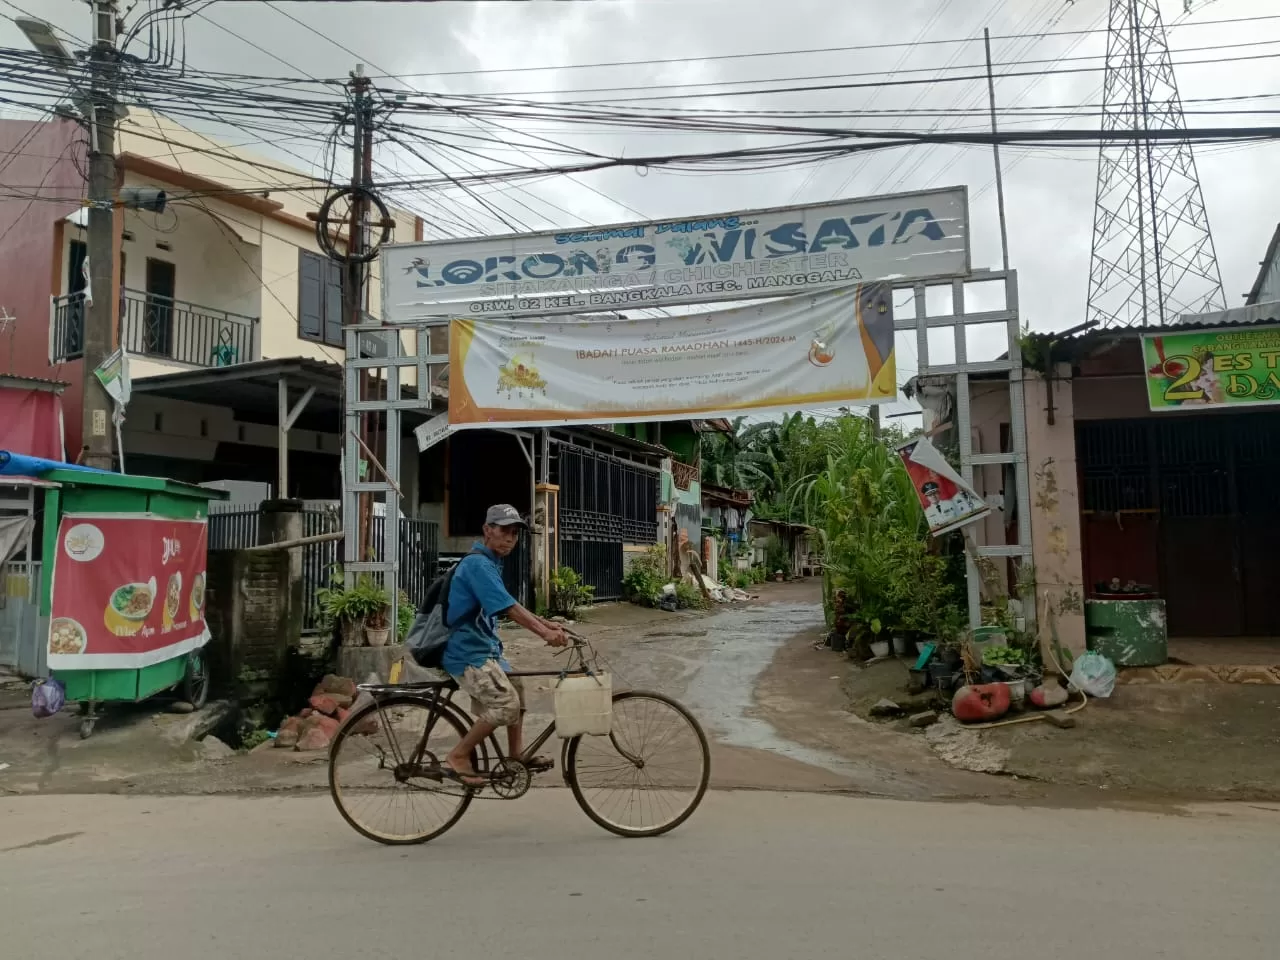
689	597
405	612
568	593
644	581
776	557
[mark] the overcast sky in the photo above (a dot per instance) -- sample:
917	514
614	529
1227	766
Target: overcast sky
1050	193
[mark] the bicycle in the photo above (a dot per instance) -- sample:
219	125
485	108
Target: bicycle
421	772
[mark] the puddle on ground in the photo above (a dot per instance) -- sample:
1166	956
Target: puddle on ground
722	691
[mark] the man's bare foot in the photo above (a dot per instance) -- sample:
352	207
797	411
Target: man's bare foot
464	772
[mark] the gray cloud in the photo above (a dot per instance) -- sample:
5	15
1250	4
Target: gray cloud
1049	193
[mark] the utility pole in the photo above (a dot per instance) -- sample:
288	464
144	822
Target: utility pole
99	328
357	271
995	149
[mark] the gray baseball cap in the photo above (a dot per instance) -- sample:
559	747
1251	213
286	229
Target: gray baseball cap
503	515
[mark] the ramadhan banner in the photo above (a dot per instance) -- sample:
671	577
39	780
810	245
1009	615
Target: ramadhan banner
948	502
813	351
1221	367
128	591
721	258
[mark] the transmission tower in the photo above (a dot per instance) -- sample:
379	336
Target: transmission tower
1153	257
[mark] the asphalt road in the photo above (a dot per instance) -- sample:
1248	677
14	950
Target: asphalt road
752	875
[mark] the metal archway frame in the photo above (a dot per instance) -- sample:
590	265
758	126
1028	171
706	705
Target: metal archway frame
958	320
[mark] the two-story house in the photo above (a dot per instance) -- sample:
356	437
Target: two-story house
217	298
226	293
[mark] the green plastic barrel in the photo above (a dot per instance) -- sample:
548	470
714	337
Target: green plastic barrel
1129	633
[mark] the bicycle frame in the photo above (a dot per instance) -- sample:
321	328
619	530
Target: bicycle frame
440	700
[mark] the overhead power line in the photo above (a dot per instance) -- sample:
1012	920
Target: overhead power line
807	51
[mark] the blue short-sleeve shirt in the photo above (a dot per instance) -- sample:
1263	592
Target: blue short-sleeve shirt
476	598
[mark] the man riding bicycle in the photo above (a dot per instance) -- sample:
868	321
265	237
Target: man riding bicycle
473	655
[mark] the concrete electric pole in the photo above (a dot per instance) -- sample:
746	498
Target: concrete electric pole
99	111
99	325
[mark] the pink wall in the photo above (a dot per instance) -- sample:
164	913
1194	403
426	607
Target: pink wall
1055	510
42	157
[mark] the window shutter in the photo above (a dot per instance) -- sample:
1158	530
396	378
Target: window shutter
333	303
310	290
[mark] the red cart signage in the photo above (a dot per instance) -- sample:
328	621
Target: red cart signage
128	591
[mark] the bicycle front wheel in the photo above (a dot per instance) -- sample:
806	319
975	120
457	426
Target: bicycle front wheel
651	772
385	770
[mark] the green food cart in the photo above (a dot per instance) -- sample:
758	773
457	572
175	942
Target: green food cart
122	586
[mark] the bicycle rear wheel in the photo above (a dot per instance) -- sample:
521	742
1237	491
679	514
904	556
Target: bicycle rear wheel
649	775
385	776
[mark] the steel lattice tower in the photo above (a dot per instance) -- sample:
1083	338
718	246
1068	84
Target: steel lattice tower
1153	257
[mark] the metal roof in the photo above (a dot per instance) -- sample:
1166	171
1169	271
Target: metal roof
251	390
32	383
1264	268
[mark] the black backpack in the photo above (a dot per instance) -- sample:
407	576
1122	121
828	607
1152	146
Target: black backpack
429	634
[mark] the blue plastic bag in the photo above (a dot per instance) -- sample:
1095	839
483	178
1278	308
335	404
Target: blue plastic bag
48	697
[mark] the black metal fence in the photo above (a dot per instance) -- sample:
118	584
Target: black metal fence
605	498
598	563
158	326
233	530
419	551
67	328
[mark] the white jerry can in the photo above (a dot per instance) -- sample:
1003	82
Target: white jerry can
584	706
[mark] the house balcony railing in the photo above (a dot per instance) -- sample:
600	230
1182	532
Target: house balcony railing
158	327
684	474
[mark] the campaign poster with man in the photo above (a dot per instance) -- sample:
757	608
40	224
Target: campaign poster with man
948	502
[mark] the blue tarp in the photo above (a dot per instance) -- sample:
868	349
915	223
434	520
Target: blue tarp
20	465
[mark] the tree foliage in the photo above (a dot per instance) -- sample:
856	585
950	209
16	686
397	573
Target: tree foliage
850	486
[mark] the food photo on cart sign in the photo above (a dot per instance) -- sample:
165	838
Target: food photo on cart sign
128	591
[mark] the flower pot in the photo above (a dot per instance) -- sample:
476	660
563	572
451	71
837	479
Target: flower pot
880	648
838	641
349	631
778	577
920	645
377	637
900	645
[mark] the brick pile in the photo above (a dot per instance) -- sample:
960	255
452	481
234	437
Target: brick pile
315	726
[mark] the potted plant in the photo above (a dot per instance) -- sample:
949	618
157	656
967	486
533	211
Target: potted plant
568	592
363	605
374	605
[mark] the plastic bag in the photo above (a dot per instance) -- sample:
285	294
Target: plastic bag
48	697
1094	674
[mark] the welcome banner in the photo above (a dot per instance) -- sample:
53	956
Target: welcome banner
727	257
828	349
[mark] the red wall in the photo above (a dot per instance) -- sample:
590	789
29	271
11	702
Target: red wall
1127	547
38	159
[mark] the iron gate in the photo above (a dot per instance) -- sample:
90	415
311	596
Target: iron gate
598	562
604	503
1187	503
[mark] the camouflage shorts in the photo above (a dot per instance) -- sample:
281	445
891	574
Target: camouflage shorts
495	697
